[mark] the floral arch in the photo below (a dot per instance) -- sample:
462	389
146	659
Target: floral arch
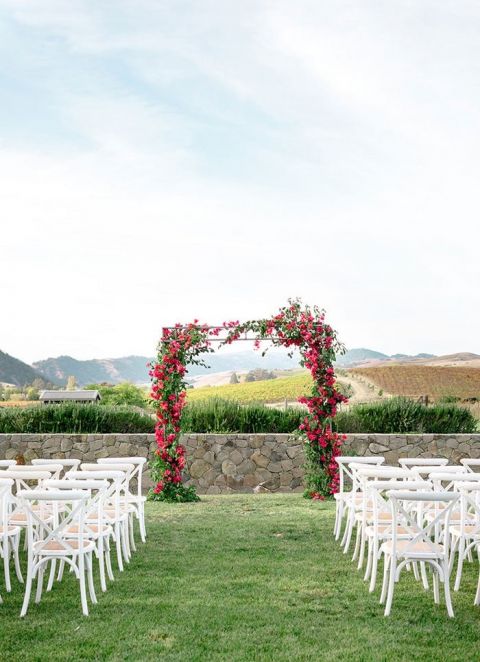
296	326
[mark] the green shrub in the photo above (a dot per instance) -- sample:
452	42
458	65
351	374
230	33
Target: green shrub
401	415
217	416
73	418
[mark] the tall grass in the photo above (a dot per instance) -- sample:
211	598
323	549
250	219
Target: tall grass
217	415
75	419
401	415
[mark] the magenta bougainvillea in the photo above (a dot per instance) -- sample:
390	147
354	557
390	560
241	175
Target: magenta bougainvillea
295	327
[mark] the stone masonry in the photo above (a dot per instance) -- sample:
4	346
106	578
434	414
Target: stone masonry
229	463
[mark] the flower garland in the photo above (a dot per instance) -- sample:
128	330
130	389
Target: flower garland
294	327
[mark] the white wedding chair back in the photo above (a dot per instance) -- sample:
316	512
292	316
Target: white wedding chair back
379	524
428	542
54	468
47	541
419	461
95	527
472	464
9	534
137	499
114	513
68	464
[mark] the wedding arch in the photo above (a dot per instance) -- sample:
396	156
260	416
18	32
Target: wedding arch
295	326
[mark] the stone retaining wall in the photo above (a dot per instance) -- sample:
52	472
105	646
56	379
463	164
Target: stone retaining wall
223	463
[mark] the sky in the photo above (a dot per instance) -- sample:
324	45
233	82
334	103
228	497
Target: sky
165	160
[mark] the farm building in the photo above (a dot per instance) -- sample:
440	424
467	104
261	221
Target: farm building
56	397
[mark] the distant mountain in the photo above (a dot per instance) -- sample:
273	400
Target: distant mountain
134	368
361	357
125	369
14	371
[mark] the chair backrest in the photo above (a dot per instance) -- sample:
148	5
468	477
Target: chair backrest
426	470
383	472
446	481
376	492
419	461
344	461
67	464
47	534
430	533
126	467
53	467
115	480
7	463
138	462
23	479
470	510
470	463
6	485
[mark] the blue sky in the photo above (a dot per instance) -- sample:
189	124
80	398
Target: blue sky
165	160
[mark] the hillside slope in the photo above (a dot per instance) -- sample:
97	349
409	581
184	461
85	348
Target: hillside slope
128	368
14	371
415	380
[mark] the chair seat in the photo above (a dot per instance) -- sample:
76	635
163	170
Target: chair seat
417	550
55	546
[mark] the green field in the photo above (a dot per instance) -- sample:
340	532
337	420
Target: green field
270	390
241	578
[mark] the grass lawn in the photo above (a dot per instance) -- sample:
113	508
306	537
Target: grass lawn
241	578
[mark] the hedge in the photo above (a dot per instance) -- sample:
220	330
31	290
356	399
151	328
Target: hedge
74	419
401	415
223	416
393	416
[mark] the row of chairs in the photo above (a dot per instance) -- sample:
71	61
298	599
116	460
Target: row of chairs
423	515
72	514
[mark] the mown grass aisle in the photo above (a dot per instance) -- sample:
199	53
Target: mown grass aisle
241	578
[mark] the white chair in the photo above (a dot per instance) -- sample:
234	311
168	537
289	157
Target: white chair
138	499
95	527
419	461
115	512
9	534
465	532
379	523
343	497
428	542
23	481
363	508
128	468
47	542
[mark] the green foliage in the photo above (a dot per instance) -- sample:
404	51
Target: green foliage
73	418
120	394
220	416
401	415
234	378
172	493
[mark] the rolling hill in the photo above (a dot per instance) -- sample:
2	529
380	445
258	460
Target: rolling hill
414	380
14	371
